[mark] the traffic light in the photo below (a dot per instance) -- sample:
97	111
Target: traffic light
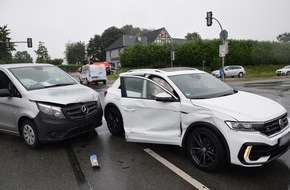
209	18
7	43
29	42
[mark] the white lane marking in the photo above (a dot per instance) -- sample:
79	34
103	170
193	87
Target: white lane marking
176	170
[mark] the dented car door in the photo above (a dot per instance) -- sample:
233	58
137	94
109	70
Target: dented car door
151	113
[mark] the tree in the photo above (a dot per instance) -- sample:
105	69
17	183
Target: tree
56	61
193	36
129	29
110	35
76	53
42	53
22	57
285	37
96	50
5	48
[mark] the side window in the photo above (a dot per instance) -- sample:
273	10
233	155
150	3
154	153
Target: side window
134	87
152	90
5	83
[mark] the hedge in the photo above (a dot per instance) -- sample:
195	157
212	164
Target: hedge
198	53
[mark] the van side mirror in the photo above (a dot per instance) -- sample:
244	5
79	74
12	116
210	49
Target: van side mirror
5	92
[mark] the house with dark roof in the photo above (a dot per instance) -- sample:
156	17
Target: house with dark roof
160	36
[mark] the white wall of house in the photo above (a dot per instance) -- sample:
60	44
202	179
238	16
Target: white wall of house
113	57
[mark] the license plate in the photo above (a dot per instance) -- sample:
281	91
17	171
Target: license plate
284	140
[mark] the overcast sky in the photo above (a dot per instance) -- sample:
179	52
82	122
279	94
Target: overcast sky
57	22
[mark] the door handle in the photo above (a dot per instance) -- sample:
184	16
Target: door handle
130	109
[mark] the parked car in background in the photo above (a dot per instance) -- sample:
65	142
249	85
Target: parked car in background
190	108
284	71
230	71
42	103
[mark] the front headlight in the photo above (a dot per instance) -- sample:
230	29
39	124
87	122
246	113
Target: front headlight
51	110
244	126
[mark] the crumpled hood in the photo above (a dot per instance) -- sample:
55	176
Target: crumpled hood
63	95
243	106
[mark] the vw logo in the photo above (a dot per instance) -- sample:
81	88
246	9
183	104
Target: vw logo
85	109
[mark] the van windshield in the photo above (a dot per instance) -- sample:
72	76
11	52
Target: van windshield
37	77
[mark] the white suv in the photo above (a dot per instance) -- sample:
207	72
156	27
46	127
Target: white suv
190	108
284	71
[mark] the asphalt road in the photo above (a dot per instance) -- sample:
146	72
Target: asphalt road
127	166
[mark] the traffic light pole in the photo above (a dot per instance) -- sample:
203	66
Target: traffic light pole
28	42
223	35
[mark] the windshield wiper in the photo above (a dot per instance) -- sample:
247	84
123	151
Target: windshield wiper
57	85
230	93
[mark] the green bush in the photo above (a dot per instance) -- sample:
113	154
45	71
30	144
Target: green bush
198	53
70	68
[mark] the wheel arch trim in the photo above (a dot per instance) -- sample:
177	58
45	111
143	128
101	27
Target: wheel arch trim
211	127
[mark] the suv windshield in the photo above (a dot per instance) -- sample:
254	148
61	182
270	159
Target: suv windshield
201	86
37	77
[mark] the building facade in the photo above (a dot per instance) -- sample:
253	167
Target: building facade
160	36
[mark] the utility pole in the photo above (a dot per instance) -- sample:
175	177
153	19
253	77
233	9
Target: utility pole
172	55
223	37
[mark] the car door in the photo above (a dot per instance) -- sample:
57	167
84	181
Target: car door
8	105
230	71
145	118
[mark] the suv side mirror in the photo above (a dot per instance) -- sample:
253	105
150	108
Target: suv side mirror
5	92
164	97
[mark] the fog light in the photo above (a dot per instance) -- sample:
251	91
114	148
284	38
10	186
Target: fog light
247	151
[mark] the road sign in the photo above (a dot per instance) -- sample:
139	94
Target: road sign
223	35
222	50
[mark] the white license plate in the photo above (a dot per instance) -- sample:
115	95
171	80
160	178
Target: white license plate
284	140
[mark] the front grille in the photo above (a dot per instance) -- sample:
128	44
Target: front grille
275	125
76	112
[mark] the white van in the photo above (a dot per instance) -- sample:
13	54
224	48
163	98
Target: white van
42	103
93	73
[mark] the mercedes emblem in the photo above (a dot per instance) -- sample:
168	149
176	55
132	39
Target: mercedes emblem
85	109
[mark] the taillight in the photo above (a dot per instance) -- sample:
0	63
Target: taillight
105	92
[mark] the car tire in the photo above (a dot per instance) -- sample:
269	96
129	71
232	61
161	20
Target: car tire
29	134
114	121
288	73
206	149
240	74
81	82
